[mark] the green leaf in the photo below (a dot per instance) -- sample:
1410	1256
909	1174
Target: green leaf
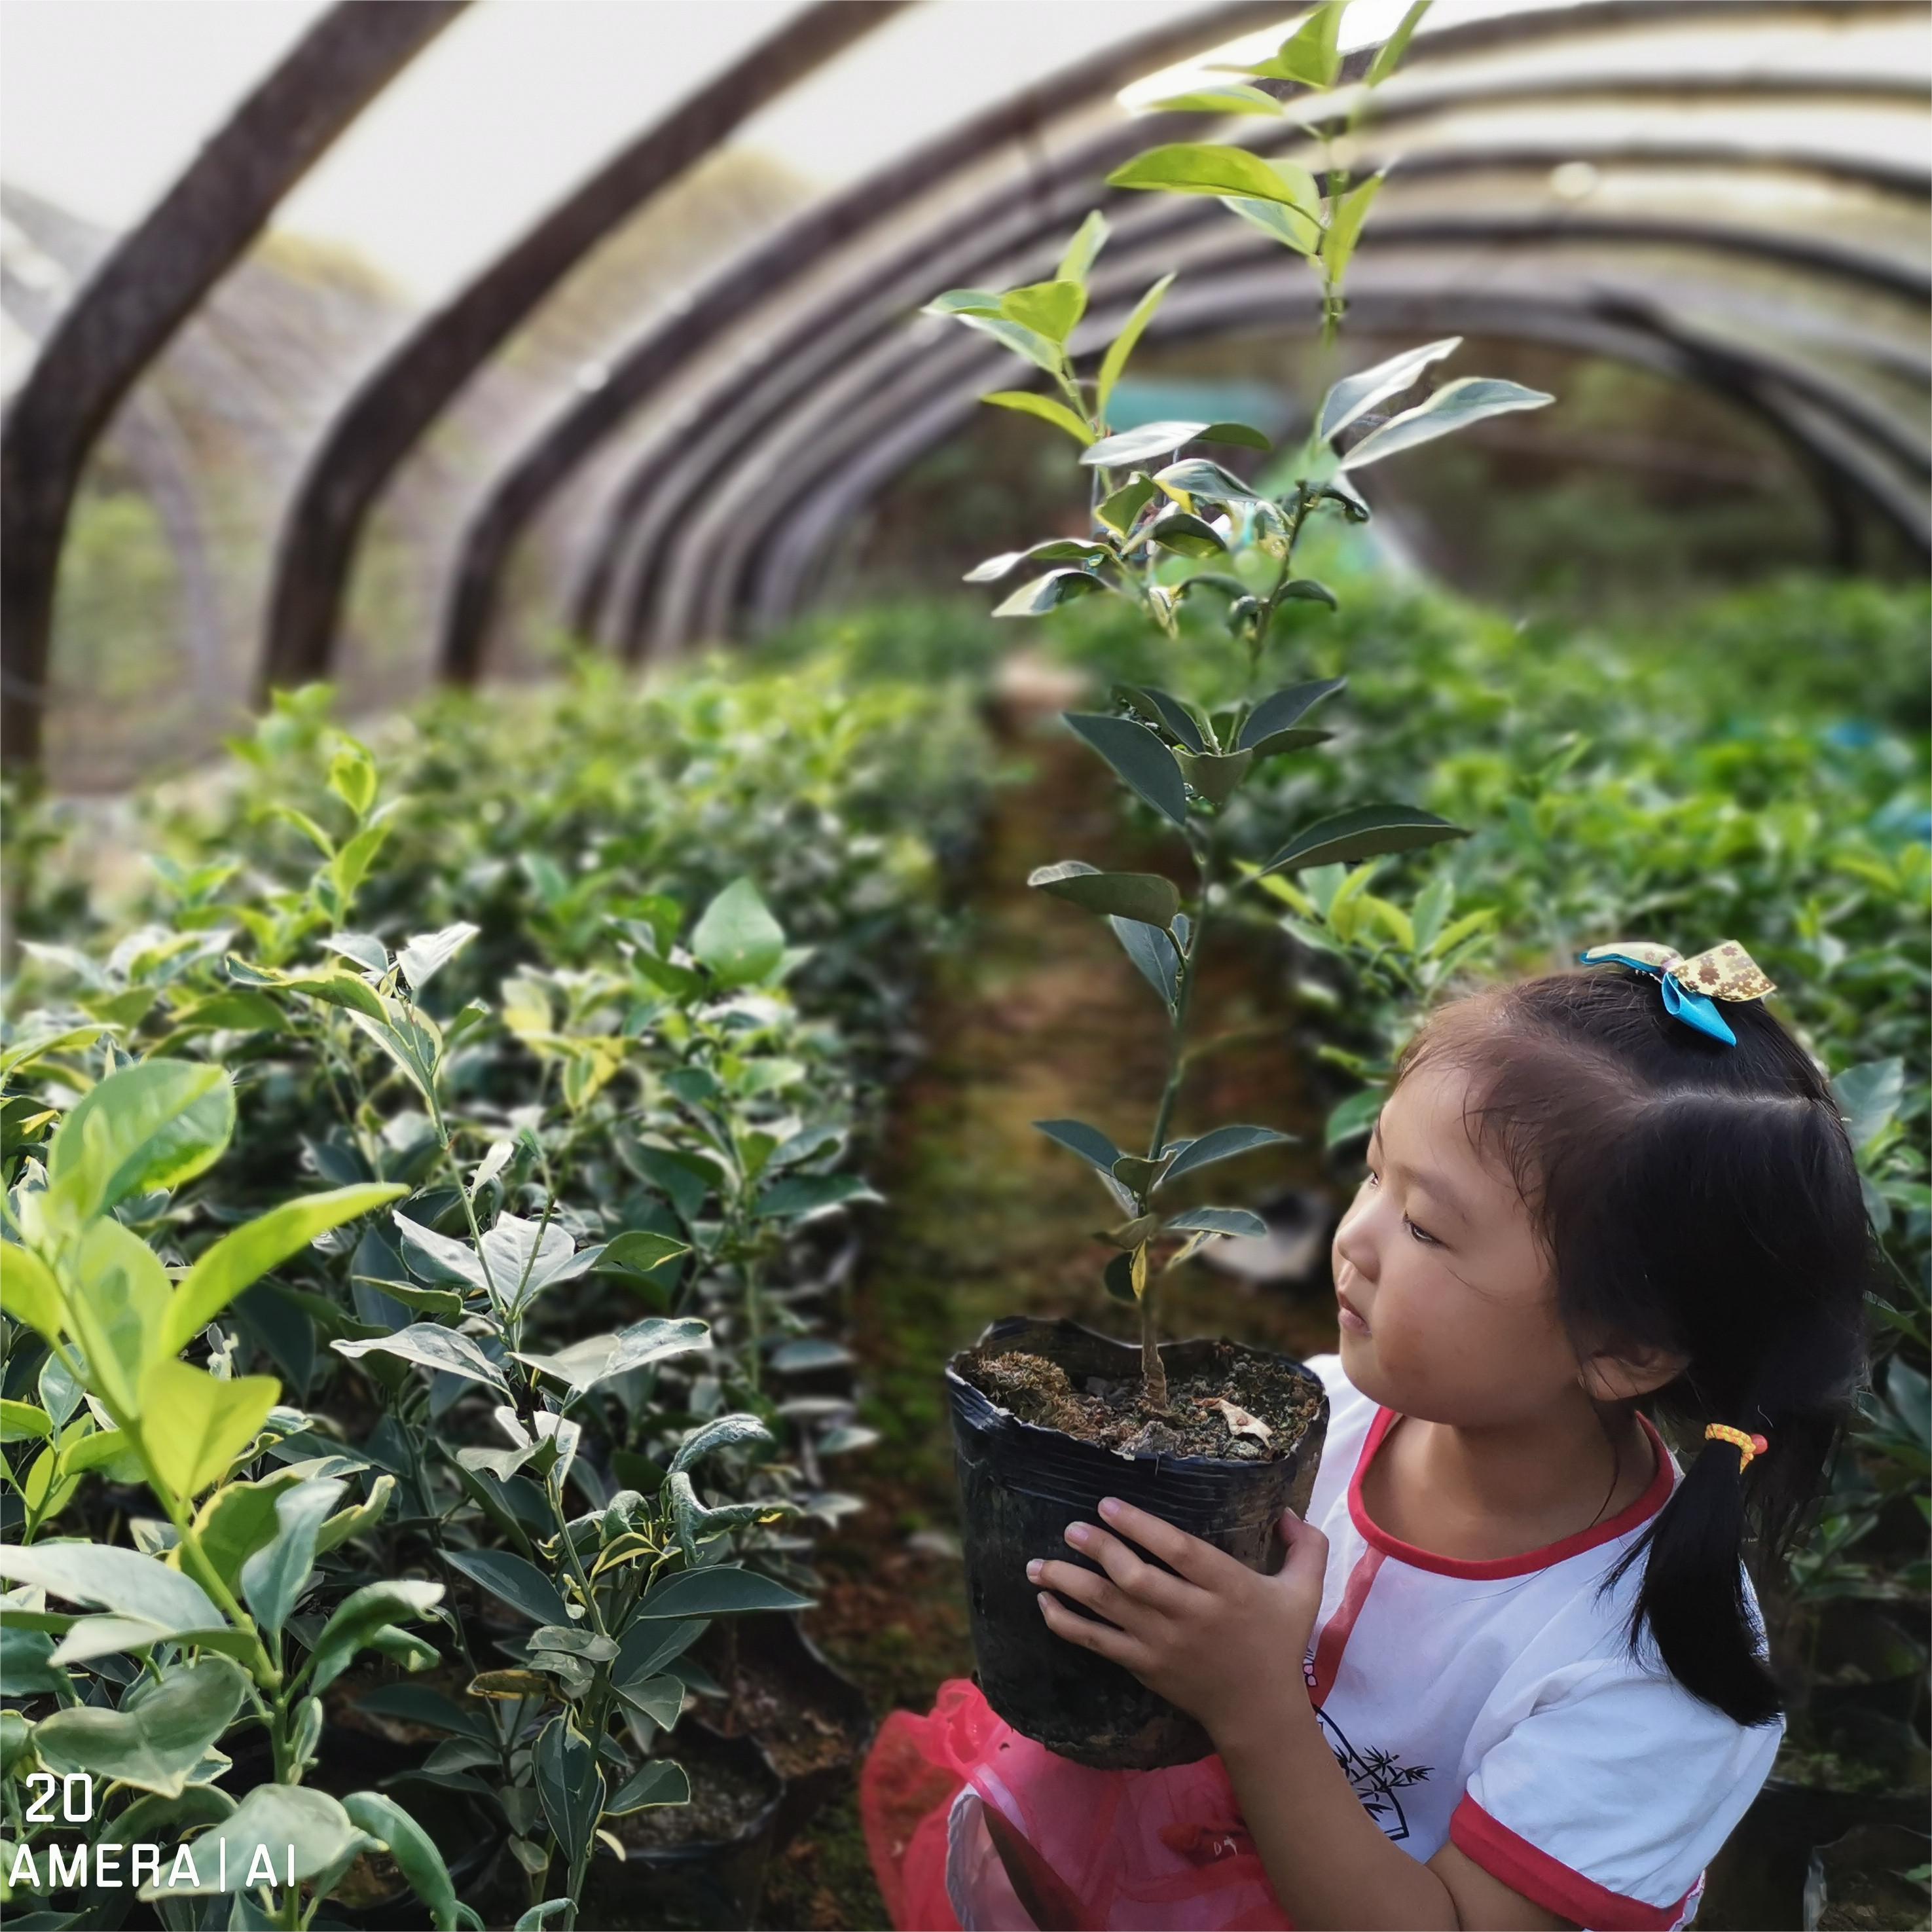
737	940
639	1250
146	1127
723	1432
1310	54
155	1742
964	301
1055	550
1046	409
1354	395
1216	1221
30	1292
1355	1115
251	1250
1345	225
199	1424
1050	309
1186	167
414	1851
513	1581
1196	476
237	1519
569	1786
1153	955
584	1364
1216	776
722	1590
1118	512
428	952
1187	535
1088	240
23	1421
812	1194
1135	445
1041	351
362	1617
1363	833
1044	593
274	1827
442	1349
1389	53
1143	764
1282	709
1223	97
1145	896
120	1580
119	1310
274	1578
1456	405
1089	1143
1174	715
658	1780
1123	345
1869	1097
1223	1143
1288	226
352	777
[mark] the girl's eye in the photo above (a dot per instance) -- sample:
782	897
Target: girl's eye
1427	1240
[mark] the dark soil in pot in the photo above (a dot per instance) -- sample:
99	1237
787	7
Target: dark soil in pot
1023	1480
700	1865
813	1722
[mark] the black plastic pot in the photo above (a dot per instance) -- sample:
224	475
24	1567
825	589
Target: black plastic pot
818	1697
1020	1485
701	1885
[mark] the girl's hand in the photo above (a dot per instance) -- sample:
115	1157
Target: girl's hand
1214	1638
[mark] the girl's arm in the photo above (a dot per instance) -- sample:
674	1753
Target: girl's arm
1212	1639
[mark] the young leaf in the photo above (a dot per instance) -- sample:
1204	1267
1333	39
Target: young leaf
1049	309
1145	896
1041	351
1221	97
1118	512
964	301
1345	225
1143	764
1288	226
1354	395
1191	168
1310	54
1362	833
199	1424
1470	399
428	952
1389	53
1046	409
1122	346
1088	240
151	1126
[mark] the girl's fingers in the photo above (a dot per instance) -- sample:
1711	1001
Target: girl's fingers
1101	1638
1084	1587
1199	1562
1140	1579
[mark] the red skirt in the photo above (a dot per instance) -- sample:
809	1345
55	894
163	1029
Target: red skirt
1078	1850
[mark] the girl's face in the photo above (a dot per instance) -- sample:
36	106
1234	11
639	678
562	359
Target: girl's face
1437	1256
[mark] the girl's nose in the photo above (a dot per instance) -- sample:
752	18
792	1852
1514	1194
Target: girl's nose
1352	1243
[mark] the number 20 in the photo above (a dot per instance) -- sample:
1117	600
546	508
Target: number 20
76	1811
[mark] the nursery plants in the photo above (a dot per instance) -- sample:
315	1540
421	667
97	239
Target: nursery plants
1215	1437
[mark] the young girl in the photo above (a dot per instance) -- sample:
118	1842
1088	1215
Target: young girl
1534	1687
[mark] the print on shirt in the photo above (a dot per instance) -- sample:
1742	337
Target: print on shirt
1376	1775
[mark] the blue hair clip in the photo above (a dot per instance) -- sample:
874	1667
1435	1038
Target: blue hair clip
1725	971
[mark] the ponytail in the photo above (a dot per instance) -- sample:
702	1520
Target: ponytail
1703	1200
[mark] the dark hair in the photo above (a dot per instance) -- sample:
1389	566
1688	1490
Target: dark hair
1703	1199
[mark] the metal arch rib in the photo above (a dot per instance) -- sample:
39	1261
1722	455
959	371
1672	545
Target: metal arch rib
1595	321
701	576
391	409
589	597
146	287
665	346
629	523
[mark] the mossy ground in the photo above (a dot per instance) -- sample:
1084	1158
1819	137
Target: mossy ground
1038	1015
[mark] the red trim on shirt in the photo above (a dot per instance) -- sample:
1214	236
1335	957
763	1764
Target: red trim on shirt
1548	1881
1646	1505
1334	1638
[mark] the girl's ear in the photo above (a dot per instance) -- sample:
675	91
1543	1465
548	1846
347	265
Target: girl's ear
1616	1374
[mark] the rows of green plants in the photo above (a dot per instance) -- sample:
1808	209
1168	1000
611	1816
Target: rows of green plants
425	1192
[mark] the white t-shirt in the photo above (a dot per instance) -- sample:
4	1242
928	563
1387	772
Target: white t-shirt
1494	1705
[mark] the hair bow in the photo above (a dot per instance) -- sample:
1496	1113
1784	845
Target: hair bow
1725	971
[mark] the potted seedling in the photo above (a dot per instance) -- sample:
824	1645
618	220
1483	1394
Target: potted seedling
1050	1417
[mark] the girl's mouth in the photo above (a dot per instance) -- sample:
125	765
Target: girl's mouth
1351	1316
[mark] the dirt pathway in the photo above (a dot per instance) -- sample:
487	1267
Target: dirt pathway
1038	1015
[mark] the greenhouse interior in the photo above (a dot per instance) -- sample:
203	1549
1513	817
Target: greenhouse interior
645	648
